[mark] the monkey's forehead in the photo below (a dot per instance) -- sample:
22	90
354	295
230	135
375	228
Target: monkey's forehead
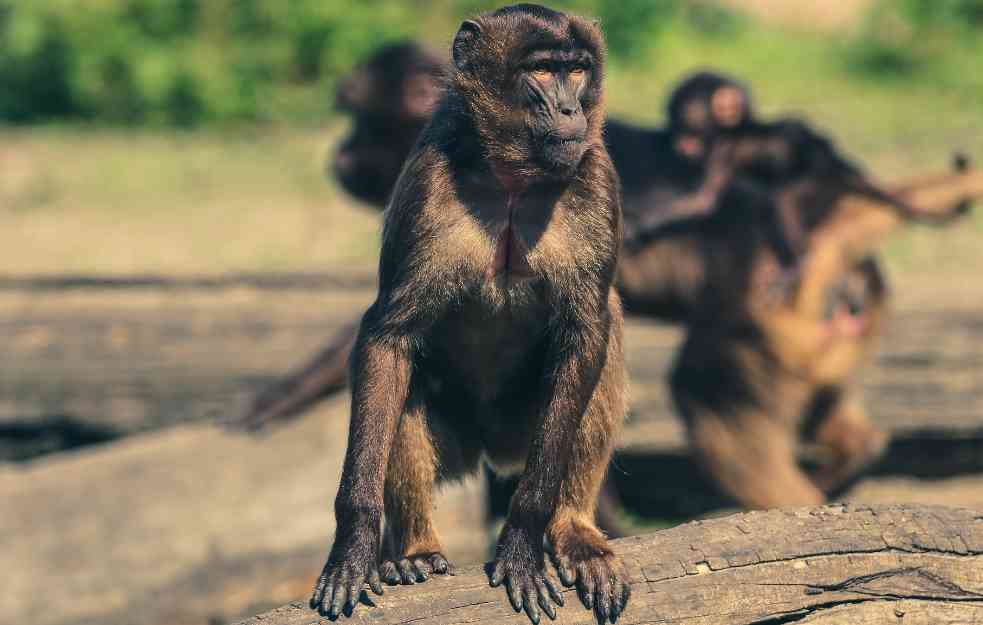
566	54
525	30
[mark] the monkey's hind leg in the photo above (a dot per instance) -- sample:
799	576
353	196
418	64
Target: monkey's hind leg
854	441
580	550
413	551
733	425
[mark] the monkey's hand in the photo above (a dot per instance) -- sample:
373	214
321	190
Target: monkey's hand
520	564
584	560
353	562
414	568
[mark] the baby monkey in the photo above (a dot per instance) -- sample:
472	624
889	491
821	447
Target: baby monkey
496	333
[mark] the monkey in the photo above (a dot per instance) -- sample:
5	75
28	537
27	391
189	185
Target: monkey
660	183
665	276
496	331
704	106
752	378
390	98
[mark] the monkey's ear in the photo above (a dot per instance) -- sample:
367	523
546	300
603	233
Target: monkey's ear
464	40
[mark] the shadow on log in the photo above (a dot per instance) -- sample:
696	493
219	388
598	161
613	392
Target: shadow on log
266	280
667	483
862	565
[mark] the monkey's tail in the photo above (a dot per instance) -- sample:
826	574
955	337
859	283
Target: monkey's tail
323	376
940	198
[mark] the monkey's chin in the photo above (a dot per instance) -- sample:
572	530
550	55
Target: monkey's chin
561	158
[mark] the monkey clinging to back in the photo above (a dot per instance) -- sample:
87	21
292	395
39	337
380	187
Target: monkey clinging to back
496	332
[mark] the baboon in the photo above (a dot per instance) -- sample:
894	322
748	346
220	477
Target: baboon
669	193
753	378
496	331
704	106
660	183
390	99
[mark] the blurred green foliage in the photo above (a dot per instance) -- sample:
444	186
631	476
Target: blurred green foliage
900	38
182	62
187	62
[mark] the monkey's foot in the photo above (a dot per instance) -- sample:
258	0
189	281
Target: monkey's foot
413	569
864	447
585	561
520	565
343	579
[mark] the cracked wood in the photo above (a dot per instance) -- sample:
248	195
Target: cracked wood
862	565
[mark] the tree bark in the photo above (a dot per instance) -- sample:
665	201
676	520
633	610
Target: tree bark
856	565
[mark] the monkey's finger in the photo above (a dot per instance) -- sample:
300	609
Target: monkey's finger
514	592
585	586
338	596
498	575
439	565
318	593
532	610
602	606
406	572
618	600
625	596
327	590
544	601
389	573
375	583
567	573
422	568
554	592
354	591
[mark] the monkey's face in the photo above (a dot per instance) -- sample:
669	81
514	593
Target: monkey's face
705	106
400	81
729	107
531	79
551	87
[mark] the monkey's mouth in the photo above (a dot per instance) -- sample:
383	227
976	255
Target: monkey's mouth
563	152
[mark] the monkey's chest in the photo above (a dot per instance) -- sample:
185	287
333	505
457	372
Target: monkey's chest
510	261
488	353
512	230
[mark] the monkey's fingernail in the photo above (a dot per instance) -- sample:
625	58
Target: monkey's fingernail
554	592
496	576
603	607
547	607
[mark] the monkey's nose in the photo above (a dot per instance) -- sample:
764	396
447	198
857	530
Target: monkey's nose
567	110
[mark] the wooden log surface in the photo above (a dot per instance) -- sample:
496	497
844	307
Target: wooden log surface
184	527
842	564
192	525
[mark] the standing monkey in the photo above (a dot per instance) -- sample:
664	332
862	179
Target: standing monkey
496	332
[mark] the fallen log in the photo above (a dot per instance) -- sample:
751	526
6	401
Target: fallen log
185	526
841	564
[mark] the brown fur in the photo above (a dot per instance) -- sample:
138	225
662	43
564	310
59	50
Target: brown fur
751	376
496	332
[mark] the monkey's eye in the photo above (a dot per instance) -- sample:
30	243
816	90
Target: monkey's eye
577	73
542	72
